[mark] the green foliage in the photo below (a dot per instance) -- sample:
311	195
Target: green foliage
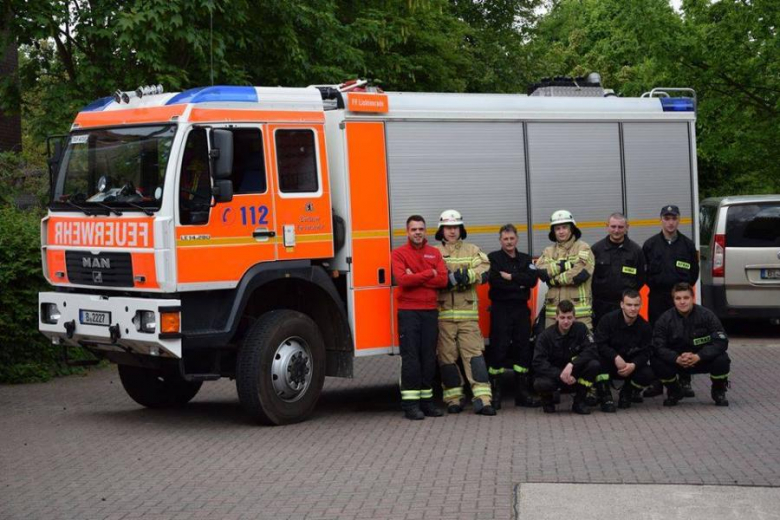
727	51
25	355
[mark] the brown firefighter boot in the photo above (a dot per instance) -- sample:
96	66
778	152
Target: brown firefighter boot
718	391
523	395
604	393
580	405
495	391
674	393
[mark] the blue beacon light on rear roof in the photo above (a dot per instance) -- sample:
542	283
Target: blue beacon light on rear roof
678	104
215	94
98	104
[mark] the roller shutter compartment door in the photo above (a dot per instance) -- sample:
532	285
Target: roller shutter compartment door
658	172
477	168
574	166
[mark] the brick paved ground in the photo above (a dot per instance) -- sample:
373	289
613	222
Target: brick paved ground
78	448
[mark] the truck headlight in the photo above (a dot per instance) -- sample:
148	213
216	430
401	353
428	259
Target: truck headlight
50	313
145	321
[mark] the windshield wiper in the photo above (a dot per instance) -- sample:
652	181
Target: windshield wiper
85	210
109	208
133	204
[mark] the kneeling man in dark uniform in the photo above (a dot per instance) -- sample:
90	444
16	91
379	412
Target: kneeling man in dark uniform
565	356
624	339
689	339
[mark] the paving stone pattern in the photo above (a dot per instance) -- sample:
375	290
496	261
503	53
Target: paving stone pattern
79	448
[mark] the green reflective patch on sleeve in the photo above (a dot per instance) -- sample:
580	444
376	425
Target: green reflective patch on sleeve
702	340
629	270
683	265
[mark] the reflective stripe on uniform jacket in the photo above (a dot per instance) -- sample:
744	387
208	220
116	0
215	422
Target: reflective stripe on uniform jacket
461	304
569	268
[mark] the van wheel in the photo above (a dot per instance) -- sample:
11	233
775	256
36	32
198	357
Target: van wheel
281	368
156	388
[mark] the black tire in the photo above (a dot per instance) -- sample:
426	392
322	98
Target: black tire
155	388
283	349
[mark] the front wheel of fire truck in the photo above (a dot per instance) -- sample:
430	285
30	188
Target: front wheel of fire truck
156	388
281	368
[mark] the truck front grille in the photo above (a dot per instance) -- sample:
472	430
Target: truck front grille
103	269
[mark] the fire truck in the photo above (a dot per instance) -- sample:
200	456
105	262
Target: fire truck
245	232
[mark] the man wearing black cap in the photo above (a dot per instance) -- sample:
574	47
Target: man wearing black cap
671	259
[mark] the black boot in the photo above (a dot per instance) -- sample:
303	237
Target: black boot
654	390
604	393
685	384
548	403
592	398
481	408
430	410
412	411
580	405
673	393
523	395
495	390
718	392
626	396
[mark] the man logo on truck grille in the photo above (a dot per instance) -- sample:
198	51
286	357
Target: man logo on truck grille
95	263
97	277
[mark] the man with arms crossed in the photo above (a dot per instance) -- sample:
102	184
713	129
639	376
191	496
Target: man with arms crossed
419	271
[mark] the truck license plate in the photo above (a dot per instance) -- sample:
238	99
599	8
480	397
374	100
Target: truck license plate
770	274
95	318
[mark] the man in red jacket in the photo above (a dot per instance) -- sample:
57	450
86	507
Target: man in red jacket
418	271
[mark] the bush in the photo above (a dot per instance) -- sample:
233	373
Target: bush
25	354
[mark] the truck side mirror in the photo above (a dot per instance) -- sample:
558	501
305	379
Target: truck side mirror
222	191
221	153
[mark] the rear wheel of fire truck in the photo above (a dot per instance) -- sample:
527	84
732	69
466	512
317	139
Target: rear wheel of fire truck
156	388
281	368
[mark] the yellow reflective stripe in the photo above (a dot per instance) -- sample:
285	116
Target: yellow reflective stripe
672	380
584	382
519	369
683	265
629	270
602	377
562	278
635	385
452	392
495	371
479	391
410	395
724	376
426	394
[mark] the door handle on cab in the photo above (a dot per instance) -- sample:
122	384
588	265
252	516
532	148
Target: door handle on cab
263	233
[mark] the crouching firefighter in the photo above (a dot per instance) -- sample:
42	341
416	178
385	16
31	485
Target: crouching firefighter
689	339
512	276
459	334
565	356
624	339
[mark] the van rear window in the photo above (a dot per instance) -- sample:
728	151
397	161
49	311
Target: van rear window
753	225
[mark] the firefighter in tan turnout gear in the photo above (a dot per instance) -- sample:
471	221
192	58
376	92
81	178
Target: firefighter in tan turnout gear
567	268
459	334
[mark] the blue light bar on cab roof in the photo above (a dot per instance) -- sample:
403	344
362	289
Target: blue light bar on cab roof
218	93
98	104
678	104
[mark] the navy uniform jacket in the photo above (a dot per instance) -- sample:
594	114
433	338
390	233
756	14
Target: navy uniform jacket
700	333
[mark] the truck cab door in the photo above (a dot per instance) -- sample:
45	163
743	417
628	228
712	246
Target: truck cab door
218	244
299	167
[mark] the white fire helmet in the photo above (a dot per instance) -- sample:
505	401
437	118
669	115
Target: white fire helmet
450	217
563	216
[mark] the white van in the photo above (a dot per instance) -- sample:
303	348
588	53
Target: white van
740	256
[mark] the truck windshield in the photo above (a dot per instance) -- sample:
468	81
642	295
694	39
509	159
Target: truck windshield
115	167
